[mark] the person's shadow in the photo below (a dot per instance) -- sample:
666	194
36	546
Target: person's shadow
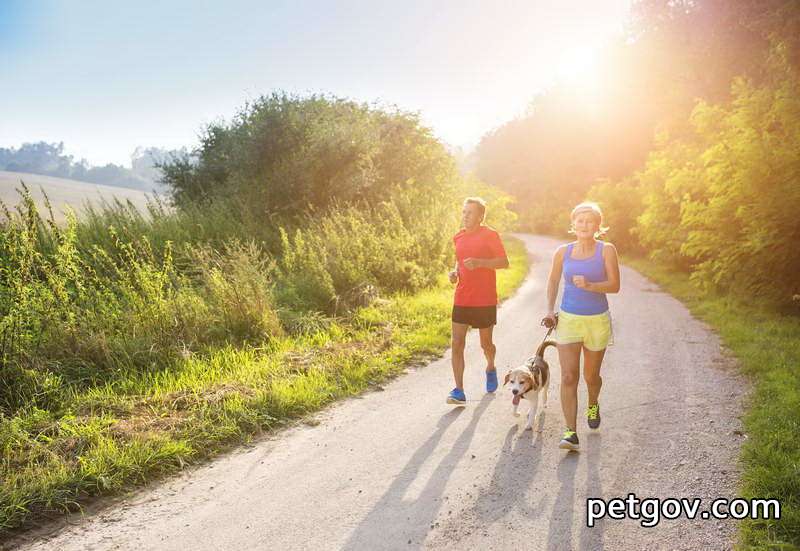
592	538
388	521
559	534
512	478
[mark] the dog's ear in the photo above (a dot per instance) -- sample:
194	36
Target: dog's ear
530	380
507	377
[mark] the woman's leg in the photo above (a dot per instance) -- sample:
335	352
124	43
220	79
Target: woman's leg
592	360
569	356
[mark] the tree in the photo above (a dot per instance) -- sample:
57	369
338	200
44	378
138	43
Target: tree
286	156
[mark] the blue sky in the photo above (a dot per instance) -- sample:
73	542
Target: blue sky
106	77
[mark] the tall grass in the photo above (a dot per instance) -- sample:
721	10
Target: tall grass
131	345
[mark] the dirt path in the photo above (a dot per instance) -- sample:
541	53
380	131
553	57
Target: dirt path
400	469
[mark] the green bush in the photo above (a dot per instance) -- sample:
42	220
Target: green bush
237	289
282	155
723	197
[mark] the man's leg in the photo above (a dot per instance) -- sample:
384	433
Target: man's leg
569	356
459	339
489	349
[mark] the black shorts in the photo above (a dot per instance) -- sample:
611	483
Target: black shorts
479	317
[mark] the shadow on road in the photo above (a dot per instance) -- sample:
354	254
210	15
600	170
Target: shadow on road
566	508
511	483
559	534
394	521
592	538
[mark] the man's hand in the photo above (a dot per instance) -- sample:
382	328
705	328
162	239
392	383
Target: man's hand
472	263
453	275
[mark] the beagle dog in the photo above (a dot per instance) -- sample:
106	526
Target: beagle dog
529	381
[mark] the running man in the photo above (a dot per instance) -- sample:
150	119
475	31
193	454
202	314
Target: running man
479	252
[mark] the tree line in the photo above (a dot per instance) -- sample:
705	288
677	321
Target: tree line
690	144
49	159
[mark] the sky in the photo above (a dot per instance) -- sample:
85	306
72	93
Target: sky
106	77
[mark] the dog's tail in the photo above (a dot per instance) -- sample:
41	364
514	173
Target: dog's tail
543	347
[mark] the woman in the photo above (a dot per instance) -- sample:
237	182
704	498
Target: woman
591	270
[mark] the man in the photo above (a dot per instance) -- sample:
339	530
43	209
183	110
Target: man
479	252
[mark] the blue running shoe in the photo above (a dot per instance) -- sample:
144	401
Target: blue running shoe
457	397
491	381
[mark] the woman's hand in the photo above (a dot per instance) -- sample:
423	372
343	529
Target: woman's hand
549	319
580	282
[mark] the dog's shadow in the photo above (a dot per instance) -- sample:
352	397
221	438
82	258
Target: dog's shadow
513	475
388	519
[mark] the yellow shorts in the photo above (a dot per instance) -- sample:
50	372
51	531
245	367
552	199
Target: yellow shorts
593	331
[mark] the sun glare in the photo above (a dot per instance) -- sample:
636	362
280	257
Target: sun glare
579	69
577	63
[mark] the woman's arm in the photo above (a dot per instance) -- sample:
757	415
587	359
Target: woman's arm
611	285
554	279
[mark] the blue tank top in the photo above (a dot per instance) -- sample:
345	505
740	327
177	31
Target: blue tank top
580	301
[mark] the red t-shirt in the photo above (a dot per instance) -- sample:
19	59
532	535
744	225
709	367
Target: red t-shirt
477	287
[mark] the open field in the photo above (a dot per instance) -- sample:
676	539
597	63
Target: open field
63	192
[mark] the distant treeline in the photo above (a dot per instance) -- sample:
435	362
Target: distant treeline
49	159
689	142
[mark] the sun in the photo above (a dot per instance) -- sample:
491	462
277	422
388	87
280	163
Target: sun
577	63
583	81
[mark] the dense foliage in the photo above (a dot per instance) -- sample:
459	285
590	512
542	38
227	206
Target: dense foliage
724	197
689	143
282	156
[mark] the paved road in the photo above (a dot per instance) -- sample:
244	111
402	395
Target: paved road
400	469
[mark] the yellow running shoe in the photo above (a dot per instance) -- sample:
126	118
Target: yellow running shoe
593	416
569	441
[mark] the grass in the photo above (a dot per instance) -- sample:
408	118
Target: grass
140	425
767	345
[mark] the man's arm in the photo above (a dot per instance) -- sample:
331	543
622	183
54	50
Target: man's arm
499	263
453	274
498	259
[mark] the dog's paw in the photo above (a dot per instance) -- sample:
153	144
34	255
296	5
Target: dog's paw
528	427
516	414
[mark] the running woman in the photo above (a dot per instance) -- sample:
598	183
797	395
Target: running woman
591	270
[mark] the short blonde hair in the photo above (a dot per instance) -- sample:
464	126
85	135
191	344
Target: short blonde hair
594	208
477	201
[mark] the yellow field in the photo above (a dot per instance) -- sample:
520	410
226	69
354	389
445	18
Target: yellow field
63	192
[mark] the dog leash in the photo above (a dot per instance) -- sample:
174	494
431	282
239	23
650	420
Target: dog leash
550	325
533	363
